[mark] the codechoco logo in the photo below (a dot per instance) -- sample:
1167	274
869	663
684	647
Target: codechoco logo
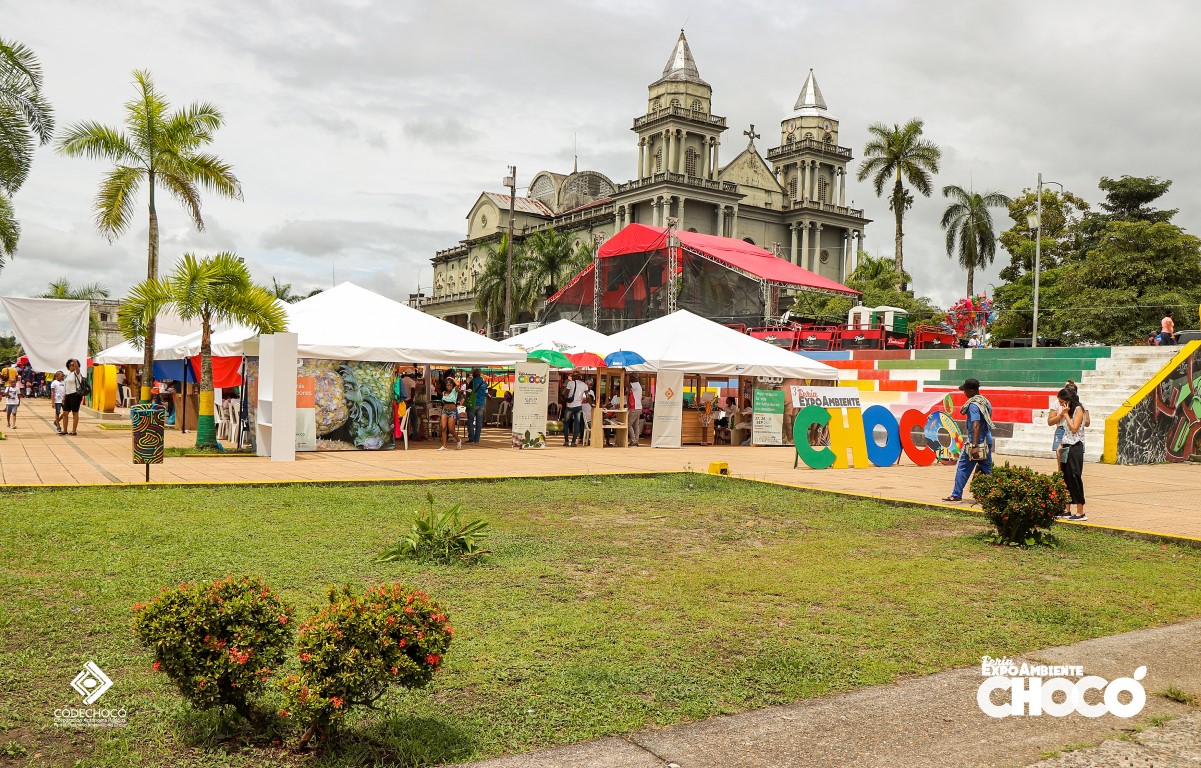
91	683
1041	689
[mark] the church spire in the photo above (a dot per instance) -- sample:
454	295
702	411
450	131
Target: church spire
681	67
810	101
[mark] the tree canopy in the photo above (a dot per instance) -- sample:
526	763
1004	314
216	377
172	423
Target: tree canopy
876	278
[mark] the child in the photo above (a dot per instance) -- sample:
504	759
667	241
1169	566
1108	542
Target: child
58	391
12	401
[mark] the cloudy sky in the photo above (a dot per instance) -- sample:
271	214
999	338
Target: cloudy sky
363	130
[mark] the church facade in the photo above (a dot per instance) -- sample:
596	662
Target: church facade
793	202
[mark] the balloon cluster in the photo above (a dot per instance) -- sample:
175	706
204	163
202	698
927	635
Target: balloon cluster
970	316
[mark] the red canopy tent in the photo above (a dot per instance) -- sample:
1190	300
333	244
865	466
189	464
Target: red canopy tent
723	279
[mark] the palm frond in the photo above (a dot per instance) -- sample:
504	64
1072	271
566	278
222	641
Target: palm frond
183	190
214	175
21	73
96	141
10	229
144	303
116	201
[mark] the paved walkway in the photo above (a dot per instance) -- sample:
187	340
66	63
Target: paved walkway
929	722
1156	499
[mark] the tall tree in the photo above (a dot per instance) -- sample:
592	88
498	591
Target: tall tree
1061	213
490	284
876	279
62	289
283	291
549	259
215	289
160	149
26	121
969	227
900	154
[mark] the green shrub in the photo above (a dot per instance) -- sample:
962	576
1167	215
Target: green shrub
359	646
1020	503
440	537
218	642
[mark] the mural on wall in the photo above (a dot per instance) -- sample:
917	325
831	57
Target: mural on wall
1165	425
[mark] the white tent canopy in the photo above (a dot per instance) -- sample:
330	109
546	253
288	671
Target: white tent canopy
686	342
126	353
348	322
231	341
563	336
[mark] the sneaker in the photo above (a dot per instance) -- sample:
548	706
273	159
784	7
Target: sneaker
1063	516
442	448
1078	518
459	447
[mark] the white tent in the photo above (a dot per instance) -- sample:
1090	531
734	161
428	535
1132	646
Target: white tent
686	342
563	336
348	322
126	353
231	341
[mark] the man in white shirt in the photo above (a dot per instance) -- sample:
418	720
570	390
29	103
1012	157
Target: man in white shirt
57	391
635	409
573	426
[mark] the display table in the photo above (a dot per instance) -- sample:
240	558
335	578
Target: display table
618	420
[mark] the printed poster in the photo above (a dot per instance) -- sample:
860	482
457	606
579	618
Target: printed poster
531	395
306	413
825	397
767	422
669	409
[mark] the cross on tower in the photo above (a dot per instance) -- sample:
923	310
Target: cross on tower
751	134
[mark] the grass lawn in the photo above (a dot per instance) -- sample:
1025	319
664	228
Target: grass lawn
609	605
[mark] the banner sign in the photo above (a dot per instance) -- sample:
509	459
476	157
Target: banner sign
825	397
306	413
767	422
669	409
854	433
531	388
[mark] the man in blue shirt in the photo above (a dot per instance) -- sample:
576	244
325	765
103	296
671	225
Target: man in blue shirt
477	398
978	446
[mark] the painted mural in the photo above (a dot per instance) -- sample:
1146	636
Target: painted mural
1166	424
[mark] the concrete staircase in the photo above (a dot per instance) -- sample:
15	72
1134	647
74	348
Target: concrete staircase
1102	390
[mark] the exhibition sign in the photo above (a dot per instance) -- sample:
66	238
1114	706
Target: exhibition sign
851	431
767	419
531	387
306	413
669	409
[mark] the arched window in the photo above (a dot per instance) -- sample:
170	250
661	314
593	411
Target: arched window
657	104
696	105
791	138
690	161
792	187
659	160
675	102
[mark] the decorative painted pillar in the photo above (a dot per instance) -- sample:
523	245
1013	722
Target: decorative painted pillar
842	189
681	161
803	181
792	251
641	158
680	211
654	211
846	256
646	165
706	150
804	259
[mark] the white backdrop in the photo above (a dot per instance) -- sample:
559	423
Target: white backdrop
669	409
51	330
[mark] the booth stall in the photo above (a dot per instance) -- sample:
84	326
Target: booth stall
685	348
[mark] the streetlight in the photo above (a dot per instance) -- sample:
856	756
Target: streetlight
510	181
1035	222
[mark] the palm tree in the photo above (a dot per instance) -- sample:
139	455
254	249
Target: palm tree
26	121
283	291
969	228
62	289
900	152
490	284
549	260
163	150
215	289
869	269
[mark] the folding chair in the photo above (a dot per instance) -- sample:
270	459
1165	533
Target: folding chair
404	426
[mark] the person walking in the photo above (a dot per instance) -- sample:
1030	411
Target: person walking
576	392
450	412
635	423
57	390
1167	330
72	397
477	400
1071	452
12	401
977	452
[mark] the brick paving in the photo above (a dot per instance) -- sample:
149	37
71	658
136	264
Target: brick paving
1159	499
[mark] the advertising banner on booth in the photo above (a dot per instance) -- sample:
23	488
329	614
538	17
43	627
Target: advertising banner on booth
531	389
306	413
669	409
825	397
767	423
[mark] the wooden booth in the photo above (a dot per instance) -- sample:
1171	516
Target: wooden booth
610	382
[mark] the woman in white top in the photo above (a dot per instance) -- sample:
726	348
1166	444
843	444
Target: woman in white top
72	397
1071	451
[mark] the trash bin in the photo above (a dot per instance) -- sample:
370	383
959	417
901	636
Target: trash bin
149	421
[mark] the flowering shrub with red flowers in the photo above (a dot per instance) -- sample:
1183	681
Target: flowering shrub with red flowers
1021	504
217	641
357	647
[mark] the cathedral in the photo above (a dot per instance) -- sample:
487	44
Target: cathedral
792	203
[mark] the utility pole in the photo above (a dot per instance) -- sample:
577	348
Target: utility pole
511	183
1038	252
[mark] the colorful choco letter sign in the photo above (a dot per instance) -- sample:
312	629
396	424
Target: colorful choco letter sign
855	436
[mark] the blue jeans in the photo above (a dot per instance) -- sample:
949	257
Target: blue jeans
475	422
573	425
966	466
1055	441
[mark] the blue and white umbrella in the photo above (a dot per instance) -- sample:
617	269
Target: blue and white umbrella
623	357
